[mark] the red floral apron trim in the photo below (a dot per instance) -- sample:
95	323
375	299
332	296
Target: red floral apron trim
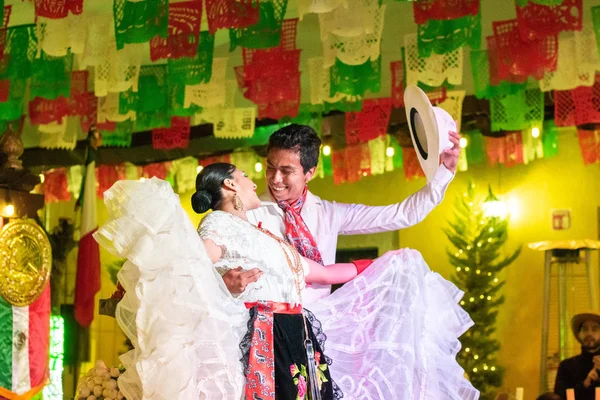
260	379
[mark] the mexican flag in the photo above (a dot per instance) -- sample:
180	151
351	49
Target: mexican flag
24	341
87	282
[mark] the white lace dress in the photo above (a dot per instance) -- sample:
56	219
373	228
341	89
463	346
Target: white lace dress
243	245
391	332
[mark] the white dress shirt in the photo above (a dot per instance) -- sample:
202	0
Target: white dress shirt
328	219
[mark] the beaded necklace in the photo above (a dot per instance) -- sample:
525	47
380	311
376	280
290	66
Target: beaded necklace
295	264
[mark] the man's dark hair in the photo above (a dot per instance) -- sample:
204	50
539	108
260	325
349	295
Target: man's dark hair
298	138
548	396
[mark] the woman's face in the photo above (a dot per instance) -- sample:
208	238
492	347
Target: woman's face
246	190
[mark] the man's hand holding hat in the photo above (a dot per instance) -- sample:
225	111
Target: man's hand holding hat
449	157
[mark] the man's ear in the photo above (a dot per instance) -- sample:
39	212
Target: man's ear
309	175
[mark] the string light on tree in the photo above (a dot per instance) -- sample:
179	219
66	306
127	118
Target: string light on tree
478	233
199	169
258	167
493	207
463	142
535	132
326	150
390	152
42	178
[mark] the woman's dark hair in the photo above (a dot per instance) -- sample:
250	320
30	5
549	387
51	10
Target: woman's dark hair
209	182
301	139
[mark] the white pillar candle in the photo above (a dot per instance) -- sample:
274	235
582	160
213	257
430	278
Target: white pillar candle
519	394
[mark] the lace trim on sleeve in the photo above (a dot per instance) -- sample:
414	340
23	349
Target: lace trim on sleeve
224	252
209	229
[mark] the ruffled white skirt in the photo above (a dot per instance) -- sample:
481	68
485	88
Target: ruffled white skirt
392	333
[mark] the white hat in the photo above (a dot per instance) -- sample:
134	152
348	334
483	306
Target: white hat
429	127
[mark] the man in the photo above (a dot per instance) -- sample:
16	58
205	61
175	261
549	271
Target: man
290	211
580	373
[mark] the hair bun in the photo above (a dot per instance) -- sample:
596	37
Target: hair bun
201	201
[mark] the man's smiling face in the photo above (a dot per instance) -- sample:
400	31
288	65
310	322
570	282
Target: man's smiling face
285	176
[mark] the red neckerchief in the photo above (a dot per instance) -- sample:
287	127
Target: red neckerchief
296	231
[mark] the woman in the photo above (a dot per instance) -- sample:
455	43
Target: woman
391	333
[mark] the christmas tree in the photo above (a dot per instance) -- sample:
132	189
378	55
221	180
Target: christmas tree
478	234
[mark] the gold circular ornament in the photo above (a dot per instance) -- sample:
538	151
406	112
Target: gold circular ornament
25	262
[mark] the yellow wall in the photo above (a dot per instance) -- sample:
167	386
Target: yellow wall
531	191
